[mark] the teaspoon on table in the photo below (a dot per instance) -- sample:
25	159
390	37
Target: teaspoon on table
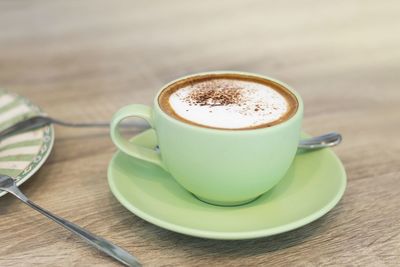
8	184
316	142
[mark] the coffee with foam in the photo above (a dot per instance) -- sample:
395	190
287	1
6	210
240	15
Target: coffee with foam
232	102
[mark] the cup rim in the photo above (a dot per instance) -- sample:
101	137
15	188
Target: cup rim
297	114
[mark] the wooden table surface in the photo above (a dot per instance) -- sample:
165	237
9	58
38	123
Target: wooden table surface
82	60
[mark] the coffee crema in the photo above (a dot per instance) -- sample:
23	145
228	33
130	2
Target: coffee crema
228	101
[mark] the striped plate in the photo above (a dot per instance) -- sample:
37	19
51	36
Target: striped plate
23	154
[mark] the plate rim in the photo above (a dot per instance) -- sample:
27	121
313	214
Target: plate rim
46	155
230	235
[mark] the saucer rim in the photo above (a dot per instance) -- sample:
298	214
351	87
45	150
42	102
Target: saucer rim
229	235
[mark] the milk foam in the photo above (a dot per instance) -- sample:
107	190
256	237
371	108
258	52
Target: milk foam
253	104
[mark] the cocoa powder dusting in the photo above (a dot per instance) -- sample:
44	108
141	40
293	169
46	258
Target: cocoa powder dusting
258	108
214	94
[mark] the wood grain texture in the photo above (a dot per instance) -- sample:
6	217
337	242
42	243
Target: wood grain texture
82	60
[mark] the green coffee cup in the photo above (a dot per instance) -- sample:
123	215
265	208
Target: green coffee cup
219	166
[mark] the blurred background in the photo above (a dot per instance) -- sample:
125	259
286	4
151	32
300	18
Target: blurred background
117	52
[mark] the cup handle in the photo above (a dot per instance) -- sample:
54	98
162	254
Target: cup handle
124	145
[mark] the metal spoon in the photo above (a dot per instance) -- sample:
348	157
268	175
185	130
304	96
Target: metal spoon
321	141
39	121
8	184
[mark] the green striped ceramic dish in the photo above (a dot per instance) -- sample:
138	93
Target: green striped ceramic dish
23	154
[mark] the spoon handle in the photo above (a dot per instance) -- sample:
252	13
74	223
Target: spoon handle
100	243
38	121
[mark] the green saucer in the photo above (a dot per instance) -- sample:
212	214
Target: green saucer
313	185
